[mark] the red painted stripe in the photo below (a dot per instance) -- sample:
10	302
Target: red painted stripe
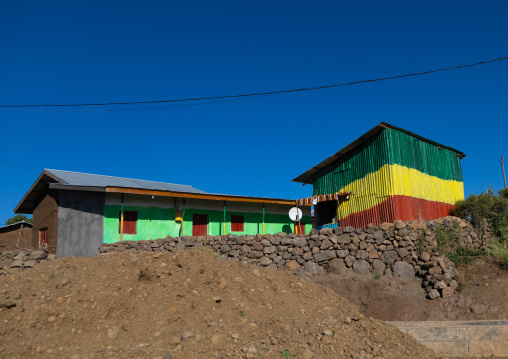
395	208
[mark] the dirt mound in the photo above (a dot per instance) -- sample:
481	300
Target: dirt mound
483	295
186	305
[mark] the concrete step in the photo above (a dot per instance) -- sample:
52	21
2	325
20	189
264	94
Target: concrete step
460	338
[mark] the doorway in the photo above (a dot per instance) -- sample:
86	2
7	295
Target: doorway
325	212
199	224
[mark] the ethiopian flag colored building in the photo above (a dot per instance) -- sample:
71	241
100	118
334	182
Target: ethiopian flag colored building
391	174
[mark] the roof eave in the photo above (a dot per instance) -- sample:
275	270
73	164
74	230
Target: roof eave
206	196
68	187
25	206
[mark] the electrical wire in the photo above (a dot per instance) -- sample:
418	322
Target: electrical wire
488	179
262	93
13	164
141	108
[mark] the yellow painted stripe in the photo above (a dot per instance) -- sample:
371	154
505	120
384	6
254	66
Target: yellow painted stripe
393	180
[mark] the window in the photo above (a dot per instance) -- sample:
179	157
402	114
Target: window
237	223
43	237
130	219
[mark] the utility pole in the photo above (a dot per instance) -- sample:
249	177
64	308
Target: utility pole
504	176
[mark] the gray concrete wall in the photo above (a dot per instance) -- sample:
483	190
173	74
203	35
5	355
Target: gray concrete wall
80	223
479	338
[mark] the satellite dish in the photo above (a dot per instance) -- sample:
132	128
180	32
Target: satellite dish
295	214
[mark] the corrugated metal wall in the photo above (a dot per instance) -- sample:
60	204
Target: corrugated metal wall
393	176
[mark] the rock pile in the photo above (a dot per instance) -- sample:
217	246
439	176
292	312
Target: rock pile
17	260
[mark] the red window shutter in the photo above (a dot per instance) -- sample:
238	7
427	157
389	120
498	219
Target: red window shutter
237	223
199	224
130	219
44	236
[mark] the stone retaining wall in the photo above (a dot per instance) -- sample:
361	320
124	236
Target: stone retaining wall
402	249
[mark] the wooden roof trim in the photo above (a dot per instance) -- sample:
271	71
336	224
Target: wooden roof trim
217	197
32	190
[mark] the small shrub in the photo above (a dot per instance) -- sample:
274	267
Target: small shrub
486	210
448	239
449	244
500	251
464	256
214	253
378	276
460	287
285	353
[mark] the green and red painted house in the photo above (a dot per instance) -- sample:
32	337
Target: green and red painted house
75	213
387	174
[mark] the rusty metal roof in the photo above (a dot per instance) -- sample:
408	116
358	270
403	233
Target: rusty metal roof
306	177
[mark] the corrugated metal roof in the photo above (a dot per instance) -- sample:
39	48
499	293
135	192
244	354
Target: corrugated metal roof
92	180
59	179
17	223
306	177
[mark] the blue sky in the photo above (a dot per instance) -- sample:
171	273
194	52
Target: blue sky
89	52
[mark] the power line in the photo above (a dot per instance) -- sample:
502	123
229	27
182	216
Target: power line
263	93
142	108
15	165
488	179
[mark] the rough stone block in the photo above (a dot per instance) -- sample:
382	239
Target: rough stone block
387	226
325	231
344	239
361	267
293	266
255	254
403	270
389	257
265	261
336	266
342	253
349	229
324	256
299	242
37	255
338	231
326	244
378	266
270	249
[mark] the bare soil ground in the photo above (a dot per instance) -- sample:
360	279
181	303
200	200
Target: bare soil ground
484	295
186	305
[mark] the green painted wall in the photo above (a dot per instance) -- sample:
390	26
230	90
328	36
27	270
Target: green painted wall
154	222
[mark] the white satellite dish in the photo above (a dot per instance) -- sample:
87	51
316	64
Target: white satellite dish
295	214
